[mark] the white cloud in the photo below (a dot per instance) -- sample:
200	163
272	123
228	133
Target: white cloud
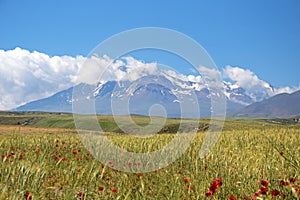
209	73
286	89
136	69
106	69
196	79
255	87
92	69
27	76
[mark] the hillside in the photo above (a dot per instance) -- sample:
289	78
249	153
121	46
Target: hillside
279	106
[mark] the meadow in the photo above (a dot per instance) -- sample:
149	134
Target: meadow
253	159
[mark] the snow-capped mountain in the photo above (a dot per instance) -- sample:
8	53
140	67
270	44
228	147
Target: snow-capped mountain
170	90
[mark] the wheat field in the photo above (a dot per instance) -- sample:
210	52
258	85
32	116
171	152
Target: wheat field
249	162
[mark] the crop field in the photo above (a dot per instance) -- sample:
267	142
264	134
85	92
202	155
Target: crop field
47	160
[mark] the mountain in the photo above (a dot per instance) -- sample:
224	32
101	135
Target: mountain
279	106
144	96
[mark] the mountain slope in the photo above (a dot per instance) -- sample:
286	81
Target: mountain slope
152	90
167	89
279	106
59	102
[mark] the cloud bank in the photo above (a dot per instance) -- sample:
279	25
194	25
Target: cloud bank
26	76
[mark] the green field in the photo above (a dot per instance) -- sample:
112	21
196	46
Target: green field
65	120
45	159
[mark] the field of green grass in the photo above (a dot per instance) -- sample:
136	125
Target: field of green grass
46	160
65	120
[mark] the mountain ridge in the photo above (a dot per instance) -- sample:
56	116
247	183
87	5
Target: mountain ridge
164	89
142	96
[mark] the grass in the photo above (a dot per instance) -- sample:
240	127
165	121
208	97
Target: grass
108	124
51	163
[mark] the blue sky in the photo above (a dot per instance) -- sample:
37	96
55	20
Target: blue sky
261	36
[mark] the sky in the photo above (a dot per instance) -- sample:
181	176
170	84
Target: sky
260	38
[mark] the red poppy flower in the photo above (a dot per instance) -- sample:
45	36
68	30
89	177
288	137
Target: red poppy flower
186	180
213	187
283	183
80	195
257	194
111	164
264	190
264	183
275	193
218	181
101	188
292	180
231	198
209	194
115	191
27	195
